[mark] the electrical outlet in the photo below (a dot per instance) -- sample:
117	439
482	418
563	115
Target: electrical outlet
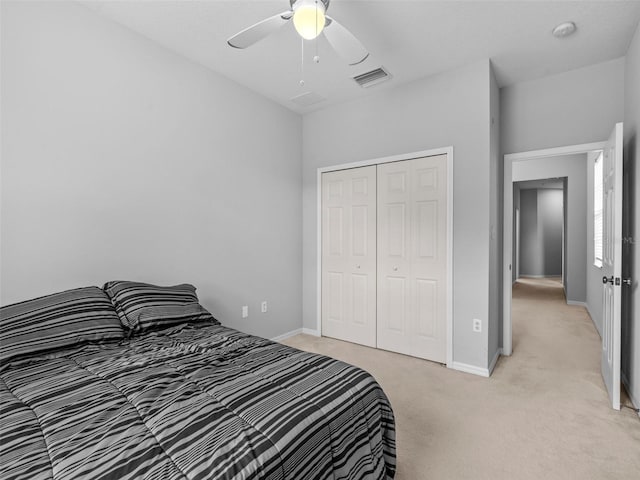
263	307
245	311
477	325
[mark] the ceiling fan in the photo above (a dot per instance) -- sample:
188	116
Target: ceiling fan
310	20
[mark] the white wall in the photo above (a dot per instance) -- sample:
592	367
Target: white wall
122	160
631	256
574	167
451	109
579	106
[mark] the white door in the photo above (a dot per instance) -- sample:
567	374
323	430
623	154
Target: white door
349	255
412	257
612	263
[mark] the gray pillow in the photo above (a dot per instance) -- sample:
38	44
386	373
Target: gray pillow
58	320
142	306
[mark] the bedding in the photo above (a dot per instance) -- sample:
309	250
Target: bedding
142	306
56	321
193	401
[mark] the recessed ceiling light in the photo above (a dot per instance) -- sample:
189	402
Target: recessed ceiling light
564	29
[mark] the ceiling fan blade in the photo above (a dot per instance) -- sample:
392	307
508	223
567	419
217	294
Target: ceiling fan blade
343	42
260	30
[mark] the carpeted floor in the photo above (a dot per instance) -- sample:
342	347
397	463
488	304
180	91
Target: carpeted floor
543	414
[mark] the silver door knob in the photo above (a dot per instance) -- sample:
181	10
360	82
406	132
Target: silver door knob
357	266
395	269
627	281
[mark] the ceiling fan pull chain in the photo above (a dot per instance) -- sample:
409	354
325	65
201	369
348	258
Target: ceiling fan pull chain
302	63
316	58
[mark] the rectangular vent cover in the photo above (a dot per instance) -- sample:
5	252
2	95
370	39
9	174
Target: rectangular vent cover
307	99
371	78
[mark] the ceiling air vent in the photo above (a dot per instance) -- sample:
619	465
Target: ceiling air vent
308	99
373	77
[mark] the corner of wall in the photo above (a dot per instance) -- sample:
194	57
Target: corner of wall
631	227
496	172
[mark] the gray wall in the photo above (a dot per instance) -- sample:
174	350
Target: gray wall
452	108
559	110
496	221
541	217
631	256
574	167
579	106
528	229
122	160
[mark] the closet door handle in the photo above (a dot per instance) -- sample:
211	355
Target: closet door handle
395	269
357	266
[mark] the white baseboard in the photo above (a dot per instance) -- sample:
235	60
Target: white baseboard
464	367
492	365
579	304
539	276
293	333
482	372
634	401
284	336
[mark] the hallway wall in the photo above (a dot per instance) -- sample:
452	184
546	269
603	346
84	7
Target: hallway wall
574	167
541	219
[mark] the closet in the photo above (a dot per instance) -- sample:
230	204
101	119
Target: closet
384	256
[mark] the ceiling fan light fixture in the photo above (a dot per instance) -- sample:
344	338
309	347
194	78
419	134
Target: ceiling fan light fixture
308	18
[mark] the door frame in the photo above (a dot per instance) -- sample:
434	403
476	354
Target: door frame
507	243
378	161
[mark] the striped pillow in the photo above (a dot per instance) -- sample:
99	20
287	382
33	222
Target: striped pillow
142	307
58	320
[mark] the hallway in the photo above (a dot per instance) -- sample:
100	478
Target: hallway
551	335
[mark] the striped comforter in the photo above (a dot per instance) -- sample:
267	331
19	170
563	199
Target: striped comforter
192	402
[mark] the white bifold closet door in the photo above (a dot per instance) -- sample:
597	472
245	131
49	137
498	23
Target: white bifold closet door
349	255
412	257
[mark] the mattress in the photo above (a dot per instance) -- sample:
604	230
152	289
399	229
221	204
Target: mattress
195	401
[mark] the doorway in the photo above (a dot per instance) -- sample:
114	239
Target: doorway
537	165
539	222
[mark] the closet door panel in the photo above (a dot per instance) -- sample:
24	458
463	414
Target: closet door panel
412	214
394	230
430	255
395	317
427	307
348	309
333	292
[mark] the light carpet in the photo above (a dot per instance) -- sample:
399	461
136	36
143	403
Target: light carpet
543	414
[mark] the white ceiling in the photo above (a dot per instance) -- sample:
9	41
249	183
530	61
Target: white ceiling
411	39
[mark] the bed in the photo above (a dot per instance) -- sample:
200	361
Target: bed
164	394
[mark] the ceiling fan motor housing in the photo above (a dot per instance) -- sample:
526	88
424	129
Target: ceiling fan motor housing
325	2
